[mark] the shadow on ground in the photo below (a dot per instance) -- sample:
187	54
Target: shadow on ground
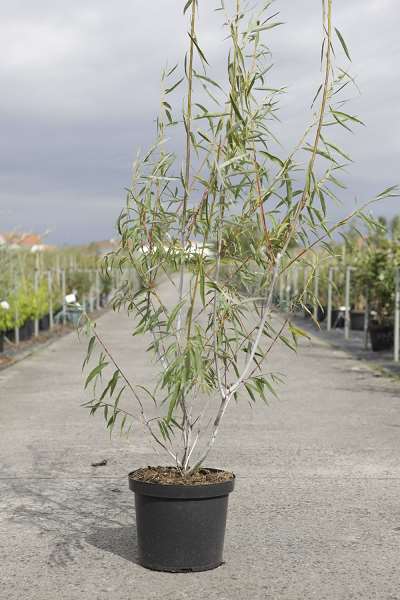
121	541
71	514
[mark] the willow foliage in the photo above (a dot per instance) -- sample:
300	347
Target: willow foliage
252	212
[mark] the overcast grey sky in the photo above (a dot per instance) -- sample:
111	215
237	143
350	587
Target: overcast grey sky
80	86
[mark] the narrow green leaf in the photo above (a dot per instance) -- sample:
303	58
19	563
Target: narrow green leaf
199	50
173	315
123	423
265	27
297	331
205	78
316	95
346	116
235	108
389	192
287	343
89	351
344	46
250	391
187	5
96	371
171	89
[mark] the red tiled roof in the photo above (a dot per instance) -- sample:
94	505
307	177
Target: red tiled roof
23	239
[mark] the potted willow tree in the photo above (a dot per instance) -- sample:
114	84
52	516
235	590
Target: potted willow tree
209	345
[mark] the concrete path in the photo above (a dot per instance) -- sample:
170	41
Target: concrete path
316	512
355	346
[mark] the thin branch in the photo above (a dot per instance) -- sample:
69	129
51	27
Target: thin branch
130	386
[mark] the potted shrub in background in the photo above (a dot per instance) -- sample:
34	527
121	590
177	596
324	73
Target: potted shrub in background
358	289
368	257
20	310
23	299
40	305
209	343
4	321
316	300
80	282
106	289
376	274
5	316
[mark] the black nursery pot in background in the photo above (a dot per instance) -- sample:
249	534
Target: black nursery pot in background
381	337
180	528
1	342
337	318
10	335
44	323
26	330
357	320
321	312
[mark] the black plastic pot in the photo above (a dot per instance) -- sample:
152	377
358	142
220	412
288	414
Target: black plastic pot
10	335
337	318
26	330
357	320
1	342
381	337
44	323
180	528
321	312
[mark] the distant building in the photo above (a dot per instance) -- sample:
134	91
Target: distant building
25	241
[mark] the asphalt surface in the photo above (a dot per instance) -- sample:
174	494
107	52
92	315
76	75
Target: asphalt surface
315	513
355	346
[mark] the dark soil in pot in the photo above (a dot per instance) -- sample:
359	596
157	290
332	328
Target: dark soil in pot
381	337
44	323
180	523
357	320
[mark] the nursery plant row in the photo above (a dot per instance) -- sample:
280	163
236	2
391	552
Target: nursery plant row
38	292
359	291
